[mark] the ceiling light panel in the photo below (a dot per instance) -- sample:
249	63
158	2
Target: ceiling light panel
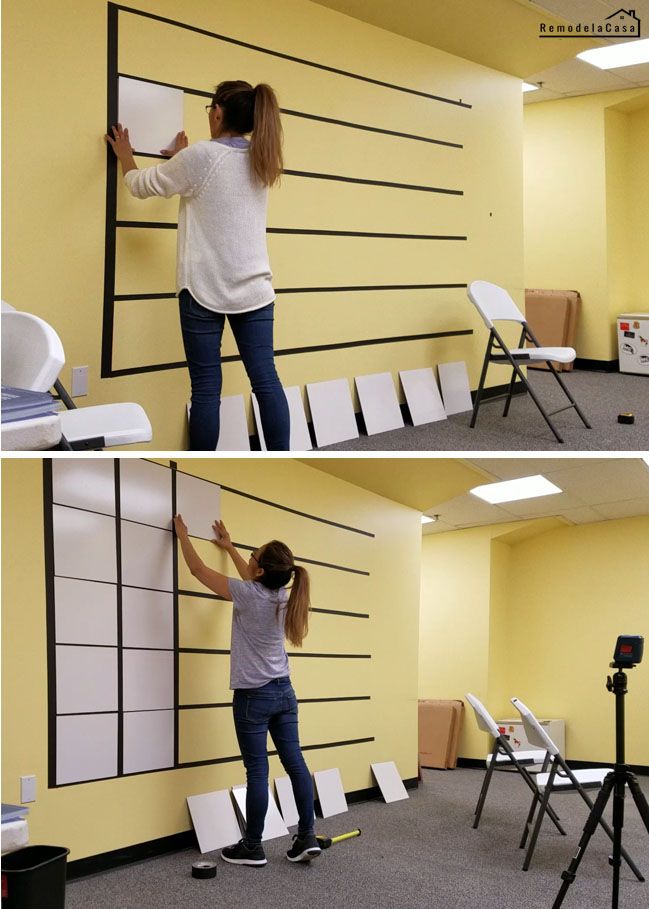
515	490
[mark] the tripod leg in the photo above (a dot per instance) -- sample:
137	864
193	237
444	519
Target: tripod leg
590	826
639	799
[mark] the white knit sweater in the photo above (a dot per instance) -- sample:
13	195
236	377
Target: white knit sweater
222	254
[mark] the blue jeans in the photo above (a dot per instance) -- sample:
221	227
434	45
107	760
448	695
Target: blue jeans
258	711
202	330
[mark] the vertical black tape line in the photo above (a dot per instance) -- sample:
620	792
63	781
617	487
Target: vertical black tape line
174	556
120	636
48	525
112	106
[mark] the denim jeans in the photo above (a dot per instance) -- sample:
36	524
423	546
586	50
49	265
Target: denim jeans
202	330
258	711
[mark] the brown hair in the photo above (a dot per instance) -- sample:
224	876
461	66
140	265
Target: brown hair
254	110
278	564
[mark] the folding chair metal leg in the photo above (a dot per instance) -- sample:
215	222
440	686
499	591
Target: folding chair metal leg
539	819
483	374
485	785
534	397
568	395
510	393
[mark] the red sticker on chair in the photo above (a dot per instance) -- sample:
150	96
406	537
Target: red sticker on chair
624	326
5	890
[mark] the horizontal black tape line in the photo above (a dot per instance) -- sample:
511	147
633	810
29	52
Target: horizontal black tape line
355	615
413	186
302	514
307	290
301	350
215	596
68	577
211	650
291	58
311	561
328	656
300	231
297	113
225	760
202	596
362	697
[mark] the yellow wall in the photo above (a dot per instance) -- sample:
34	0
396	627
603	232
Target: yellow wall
54	250
583	178
96	817
537	617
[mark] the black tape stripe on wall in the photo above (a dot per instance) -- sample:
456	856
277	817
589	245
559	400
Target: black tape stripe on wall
299	231
351	288
214	596
112	106
359	697
48	528
293	59
311	561
302	114
176	618
227	760
326	656
120	637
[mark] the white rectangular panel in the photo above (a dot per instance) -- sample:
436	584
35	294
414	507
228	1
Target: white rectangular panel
422	394
332	411
286	799
84	483
274	825
330	792
147	557
379	403
299	440
148	740
233	432
214	820
390	783
86	747
153	114
145	492
147	618
199	502
85	612
148	679
84	544
454	382
86	679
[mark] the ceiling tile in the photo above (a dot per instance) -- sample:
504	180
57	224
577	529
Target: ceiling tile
468	509
628	509
543	505
605	481
585	515
511	468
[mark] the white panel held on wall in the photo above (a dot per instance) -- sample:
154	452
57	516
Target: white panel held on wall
145	492
379	403
422	395
214	820
274	825
300	440
330	792
199	502
153	114
454	382
332	410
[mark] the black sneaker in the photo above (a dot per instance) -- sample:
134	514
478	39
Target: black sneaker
303	849
242	854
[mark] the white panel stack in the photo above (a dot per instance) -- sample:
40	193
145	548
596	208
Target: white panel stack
422	395
274	825
233	433
153	114
332	411
389	781
379	403
300	440
330	792
286	799
214	820
454	382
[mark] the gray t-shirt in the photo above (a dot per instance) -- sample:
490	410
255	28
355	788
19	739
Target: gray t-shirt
257	652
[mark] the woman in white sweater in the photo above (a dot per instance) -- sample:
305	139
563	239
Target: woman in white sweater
222	264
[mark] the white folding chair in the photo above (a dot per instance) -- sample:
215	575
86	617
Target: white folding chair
32	358
495	305
559	779
503	757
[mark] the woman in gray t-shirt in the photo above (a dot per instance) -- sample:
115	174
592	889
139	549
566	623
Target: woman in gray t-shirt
264	613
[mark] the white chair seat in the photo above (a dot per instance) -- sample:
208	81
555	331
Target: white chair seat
523	757
589	777
558	354
117	424
37	434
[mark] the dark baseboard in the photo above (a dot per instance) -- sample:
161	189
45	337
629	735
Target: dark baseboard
638	769
94	864
597	365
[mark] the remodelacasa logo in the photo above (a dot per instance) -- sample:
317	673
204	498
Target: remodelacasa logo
622	24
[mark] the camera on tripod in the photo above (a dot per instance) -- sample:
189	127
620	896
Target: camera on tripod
628	651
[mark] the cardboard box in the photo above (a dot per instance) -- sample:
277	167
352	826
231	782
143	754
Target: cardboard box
552	315
439	732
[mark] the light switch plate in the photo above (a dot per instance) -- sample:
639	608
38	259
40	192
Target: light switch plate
27	789
79	381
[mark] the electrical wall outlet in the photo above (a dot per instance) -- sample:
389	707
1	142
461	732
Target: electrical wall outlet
79	381
27	789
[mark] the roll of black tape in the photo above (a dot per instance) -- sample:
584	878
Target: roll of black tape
627	418
203	870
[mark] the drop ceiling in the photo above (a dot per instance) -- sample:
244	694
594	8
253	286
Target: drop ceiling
503	35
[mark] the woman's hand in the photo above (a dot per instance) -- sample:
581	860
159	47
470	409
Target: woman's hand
180	526
221	536
120	142
181	141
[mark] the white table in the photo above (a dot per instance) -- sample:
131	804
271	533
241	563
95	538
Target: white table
36	434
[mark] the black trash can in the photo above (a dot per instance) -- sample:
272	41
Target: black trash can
34	878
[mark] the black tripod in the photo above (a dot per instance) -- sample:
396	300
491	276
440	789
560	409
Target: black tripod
615	782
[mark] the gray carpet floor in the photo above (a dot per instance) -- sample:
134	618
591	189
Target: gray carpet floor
416	854
601	397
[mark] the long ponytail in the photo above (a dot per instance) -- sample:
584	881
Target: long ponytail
278	565
254	110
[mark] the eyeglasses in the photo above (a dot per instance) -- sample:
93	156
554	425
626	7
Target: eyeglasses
209	107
